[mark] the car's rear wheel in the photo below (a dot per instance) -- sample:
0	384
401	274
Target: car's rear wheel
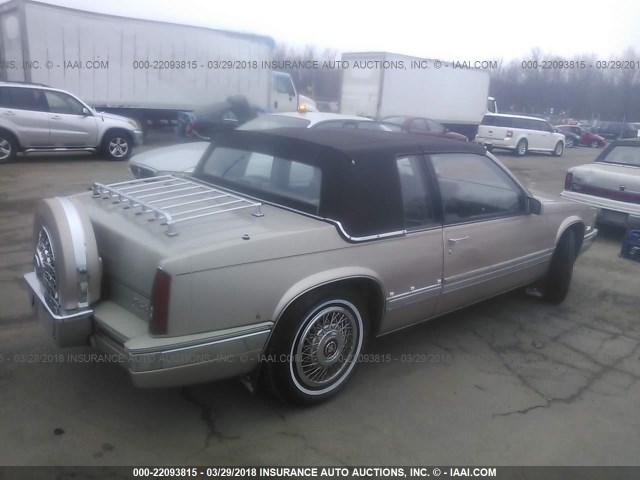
521	148
117	146
316	347
8	148
557	151
556	284
570	143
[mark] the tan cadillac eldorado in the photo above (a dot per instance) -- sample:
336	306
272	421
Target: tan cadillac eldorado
287	249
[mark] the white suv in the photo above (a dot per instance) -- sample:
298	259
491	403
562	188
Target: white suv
35	118
520	134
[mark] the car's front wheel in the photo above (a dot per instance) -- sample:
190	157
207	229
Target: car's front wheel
594	144
117	146
558	279
8	148
570	142
316	348
521	148
557	151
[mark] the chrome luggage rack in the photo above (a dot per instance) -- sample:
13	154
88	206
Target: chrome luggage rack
163	196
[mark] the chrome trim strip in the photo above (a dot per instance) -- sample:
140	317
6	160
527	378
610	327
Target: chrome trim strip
248	331
79	249
470	279
405	298
397	233
335	223
195	345
59	149
34	286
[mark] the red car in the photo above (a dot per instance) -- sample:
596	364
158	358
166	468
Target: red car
586	137
425	126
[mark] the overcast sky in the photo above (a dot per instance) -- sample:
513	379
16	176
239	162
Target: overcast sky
444	29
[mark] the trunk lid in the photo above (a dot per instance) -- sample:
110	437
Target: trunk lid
132	247
617	182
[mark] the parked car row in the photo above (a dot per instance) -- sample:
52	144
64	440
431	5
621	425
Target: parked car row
581	136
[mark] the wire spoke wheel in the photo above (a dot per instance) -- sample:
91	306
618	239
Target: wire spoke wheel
326	347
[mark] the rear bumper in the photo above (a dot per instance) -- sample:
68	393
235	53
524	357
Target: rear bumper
627	211
495	143
184	363
154	361
67	328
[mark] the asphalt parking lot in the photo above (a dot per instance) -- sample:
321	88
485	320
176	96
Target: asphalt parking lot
511	381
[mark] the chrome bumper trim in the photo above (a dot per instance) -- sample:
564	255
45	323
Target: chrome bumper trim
203	362
67	328
600	202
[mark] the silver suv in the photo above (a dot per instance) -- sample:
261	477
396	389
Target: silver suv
36	118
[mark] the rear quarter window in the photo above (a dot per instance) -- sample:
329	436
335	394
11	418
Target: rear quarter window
27	99
285	181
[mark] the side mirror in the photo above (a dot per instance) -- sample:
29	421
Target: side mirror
533	205
85	111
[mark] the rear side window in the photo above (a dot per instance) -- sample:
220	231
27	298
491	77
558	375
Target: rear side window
294	183
27	99
435	126
496	121
416	199
473	187
4	97
418	125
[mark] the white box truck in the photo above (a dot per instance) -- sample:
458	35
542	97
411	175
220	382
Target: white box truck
143	69
379	85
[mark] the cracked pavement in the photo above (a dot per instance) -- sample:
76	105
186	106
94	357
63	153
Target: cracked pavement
511	381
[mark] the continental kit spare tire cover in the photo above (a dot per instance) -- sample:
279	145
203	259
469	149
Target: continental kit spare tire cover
66	255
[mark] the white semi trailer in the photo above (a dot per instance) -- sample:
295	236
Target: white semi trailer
143	69
380	84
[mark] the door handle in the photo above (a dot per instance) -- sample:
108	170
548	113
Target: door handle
453	241
8	112
55	117
275	104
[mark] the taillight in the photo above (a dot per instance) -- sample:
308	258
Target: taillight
568	181
509	134
159	311
190	126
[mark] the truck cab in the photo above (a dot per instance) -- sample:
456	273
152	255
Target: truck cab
492	106
285	98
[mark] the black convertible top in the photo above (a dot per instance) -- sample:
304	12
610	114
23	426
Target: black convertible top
355	143
360	181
